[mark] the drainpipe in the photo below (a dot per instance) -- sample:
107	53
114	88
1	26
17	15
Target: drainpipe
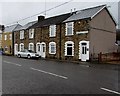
13	43
60	39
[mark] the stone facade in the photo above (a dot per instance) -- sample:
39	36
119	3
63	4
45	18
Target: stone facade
76	38
42	35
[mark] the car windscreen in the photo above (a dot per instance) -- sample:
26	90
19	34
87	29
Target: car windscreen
31	51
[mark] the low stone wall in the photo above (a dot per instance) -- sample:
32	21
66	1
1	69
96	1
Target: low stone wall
109	57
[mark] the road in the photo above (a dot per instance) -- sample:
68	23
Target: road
28	76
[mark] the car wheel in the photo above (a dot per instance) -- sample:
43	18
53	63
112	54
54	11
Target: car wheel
28	57
19	55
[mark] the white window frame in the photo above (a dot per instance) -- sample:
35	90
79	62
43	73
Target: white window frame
22	34
10	36
20	48
5	37
51	44
67	26
66	46
31	33
52	30
29	48
0	36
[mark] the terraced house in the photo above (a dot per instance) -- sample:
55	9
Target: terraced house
23	37
8	39
80	35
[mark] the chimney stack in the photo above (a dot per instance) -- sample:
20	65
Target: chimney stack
41	18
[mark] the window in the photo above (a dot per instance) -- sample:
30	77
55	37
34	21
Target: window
52	29
22	34
0	36
31	46
31	33
21	47
5	37
52	48
69	48
10	36
6	48
69	28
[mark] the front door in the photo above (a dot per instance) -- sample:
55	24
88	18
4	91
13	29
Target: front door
43	50
38	49
84	50
16	49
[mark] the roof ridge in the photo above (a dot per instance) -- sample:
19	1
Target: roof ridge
11	25
92	7
58	15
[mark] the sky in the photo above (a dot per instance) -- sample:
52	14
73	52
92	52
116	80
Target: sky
14	10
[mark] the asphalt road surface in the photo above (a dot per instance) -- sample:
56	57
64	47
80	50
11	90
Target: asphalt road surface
28	76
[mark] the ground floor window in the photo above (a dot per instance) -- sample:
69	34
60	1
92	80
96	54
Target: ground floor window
31	46
21	47
6	48
52	48
69	48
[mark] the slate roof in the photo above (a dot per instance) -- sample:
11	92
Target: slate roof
17	28
85	13
52	20
12	28
26	26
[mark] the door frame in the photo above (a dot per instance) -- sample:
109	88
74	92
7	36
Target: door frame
37	48
15	51
87	50
43	54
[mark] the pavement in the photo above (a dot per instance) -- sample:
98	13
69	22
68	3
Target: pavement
29	76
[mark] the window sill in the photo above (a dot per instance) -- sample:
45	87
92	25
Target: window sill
52	53
31	38
52	36
69	55
69	35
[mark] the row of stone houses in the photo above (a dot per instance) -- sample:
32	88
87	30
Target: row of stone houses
79	35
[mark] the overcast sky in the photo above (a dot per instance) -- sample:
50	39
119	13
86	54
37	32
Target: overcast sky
17	9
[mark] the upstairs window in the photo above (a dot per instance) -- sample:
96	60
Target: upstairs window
22	34
5	37
52	48
31	33
10	36
69	28
52	30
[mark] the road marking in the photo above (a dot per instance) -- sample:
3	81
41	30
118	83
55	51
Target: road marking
85	65
110	90
49	73
12	63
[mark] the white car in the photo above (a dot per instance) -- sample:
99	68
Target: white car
28	54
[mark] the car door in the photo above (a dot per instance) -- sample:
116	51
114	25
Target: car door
26	53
